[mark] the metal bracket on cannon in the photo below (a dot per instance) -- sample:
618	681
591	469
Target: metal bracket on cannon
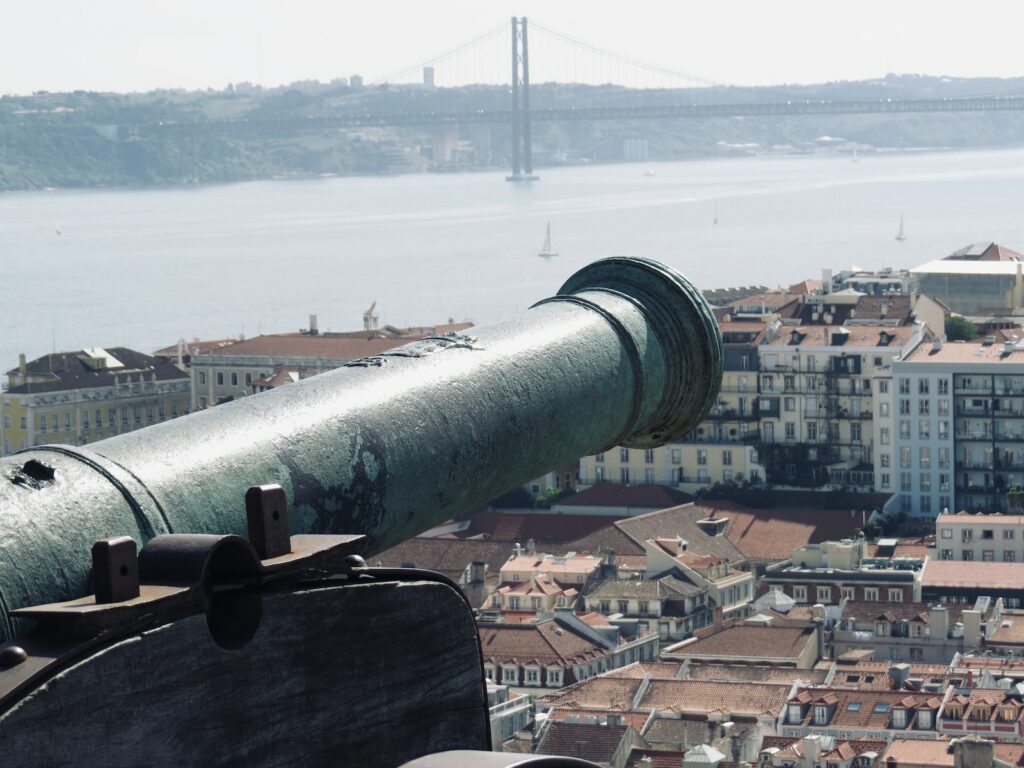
176	575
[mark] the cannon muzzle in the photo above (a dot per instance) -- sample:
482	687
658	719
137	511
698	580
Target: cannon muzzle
627	353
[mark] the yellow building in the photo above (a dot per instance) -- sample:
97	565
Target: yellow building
722	449
80	397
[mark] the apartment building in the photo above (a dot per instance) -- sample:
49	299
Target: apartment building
834	571
958	439
985	538
979	279
720	450
83	396
817	415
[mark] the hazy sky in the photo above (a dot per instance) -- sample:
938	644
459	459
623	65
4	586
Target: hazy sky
121	45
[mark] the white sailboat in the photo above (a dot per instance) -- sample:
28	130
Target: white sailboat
649	170
545	250
901	236
715	220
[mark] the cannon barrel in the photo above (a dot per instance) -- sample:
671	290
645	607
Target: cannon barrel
628	353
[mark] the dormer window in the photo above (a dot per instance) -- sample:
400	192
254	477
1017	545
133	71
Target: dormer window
1007	714
820	714
924	718
899	718
795	713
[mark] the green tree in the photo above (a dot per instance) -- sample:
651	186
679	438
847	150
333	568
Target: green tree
960	329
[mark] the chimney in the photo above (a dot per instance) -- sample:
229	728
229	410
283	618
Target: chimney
812	749
898	674
972	627
826	281
313	330
938	622
181	351
973	752
477	572
531	547
22	367
716	617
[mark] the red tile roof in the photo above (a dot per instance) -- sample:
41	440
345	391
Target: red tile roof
547	644
630	496
747	672
584	741
749	700
748	641
971	575
541	527
606	693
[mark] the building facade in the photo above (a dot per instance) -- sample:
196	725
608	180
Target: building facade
88	395
959	427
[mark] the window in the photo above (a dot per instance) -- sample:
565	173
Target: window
883	386
820	714
947	554
702	456
202	378
55	422
943	430
623	454
234	379
924	430
904	407
943	458
726	475
904	386
883	435
922	407
648	456
23	422
922	386
944	408
925	504
987	555
812	432
727	458
924	457
967	555
853	706
946	533
883	410
847	593
904	429
220	378
905	457
111	416
871	594
624	475
824	594
1009	556
702	475
789	403
677	456
42	424
883	460
790	430
767	383
535	604
510	674
880	708
513	601
649	476
886	480
895	595
248	379
855	432
943	386
800	594
623	606
554	677
987	533
599	458
643	606
532	676
899	716
789	382
925	481
791	471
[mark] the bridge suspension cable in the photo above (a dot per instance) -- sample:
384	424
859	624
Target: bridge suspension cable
623	59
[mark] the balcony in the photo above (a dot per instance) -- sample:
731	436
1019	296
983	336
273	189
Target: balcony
978	464
982	437
733	414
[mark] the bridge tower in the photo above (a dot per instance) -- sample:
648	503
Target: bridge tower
522	145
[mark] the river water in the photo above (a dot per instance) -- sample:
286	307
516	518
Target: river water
145	268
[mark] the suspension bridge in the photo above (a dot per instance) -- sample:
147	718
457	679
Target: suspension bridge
624	88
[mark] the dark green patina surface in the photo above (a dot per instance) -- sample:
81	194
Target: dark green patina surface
627	353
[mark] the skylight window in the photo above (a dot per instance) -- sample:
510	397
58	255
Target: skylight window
881	708
853	706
